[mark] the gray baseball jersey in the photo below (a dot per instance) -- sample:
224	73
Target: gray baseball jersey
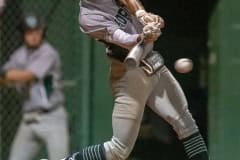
102	21
106	19
44	63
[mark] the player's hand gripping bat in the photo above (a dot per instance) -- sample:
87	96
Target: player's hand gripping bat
151	32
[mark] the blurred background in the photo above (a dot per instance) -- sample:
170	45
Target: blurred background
207	31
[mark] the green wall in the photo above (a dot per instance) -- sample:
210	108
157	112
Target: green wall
85	73
224	85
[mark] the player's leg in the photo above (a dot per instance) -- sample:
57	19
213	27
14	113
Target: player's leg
168	101
25	145
53	130
131	92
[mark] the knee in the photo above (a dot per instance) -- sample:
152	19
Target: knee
115	150
184	124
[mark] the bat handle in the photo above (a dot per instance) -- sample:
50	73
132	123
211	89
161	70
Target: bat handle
138	53
131	63
134	56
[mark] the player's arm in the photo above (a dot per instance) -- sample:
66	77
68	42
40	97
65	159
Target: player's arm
132	5
16	76
136	8
111	33
9	74
22	76
151	32
123	39
35	70
126	40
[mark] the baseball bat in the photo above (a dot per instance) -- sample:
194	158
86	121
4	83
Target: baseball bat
137	53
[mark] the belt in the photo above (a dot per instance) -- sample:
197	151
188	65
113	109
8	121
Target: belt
34	116
42	110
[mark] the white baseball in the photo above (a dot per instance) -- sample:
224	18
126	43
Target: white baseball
183	65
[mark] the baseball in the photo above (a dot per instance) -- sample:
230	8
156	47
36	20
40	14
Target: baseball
183	65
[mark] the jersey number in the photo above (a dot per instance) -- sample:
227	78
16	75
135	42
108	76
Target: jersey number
122	17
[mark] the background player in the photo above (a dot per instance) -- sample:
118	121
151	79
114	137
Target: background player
119	25
2	4
35	69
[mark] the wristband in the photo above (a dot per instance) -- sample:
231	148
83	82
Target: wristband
140	13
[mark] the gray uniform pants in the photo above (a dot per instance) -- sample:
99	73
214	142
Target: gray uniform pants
134	89
51	130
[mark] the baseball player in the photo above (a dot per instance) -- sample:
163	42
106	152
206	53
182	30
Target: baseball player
121	24
34	69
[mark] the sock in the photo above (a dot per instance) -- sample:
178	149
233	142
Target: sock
195	147
95	152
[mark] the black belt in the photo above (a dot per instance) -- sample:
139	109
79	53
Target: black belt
115	51
43	110
34	116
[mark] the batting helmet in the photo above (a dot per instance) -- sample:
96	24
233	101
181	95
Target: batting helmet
32	21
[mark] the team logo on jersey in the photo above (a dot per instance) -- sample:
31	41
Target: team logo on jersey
122	17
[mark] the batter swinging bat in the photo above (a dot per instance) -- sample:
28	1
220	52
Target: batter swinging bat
137	53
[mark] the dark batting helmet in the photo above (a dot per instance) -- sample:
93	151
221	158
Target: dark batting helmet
32	21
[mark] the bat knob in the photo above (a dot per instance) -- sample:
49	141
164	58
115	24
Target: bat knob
130	63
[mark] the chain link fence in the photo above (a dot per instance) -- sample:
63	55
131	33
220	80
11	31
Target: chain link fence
61	20
10	101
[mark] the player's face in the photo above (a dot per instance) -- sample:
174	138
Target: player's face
33	38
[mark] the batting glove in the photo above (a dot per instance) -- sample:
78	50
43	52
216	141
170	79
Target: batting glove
144	18
152	31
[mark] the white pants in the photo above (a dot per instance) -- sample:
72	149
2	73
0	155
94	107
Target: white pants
51	130
134	89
